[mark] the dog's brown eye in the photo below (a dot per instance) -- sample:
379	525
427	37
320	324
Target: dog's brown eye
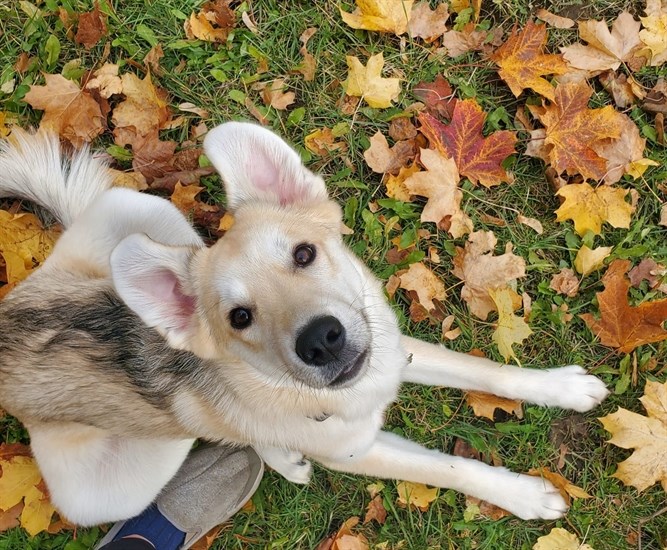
304	254
240	318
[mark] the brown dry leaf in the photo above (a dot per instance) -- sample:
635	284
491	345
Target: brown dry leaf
485	404
390	16
273	95
523	63
396	188
384	159
589	208
69	111
574	133
415	495
554	20
457	43
478	157
663	216
510	329
567	490
427	23
647	270
621	325
565	282
647	435
368	84
535	225
208	539
92	27
605	49
437	96
375	511
559	539
309	64
131	180
440	184
106	81
151	157
144	111
589	260
213	23
322	143
481	271
152	59
625	90
402	128
425	283
345	538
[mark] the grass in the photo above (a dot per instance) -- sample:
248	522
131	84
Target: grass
287	516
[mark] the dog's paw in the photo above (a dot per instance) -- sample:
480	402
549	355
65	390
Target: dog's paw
297	469
572	388
531	497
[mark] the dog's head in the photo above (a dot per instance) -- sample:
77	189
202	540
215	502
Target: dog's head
280	291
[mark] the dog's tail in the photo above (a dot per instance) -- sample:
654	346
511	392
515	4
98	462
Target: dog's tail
33	167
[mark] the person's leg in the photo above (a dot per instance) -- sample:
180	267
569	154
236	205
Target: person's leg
129	544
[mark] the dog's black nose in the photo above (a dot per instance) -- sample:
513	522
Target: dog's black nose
321	341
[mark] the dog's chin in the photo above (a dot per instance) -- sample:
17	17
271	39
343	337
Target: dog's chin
351	372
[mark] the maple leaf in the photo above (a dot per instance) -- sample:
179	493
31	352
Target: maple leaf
368	84
565	282
425	283
440	184
437	96
647	270
589	207
573	131
384	159
415	495
477	157
396	188
510	329
212	24
485	404
390	16
623	326
559	539
523	63
654	33
92	27
427	23
345	538
457	43
106	81
273	95
589	260
565	488
70	112
152	157
376	511
481	271
647	435
605	49
322	142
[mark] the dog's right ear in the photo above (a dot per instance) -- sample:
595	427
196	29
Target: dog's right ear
152	280
256	164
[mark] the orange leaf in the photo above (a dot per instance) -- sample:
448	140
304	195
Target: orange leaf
565	488
522	61
621	325
477	157
376	511
485	404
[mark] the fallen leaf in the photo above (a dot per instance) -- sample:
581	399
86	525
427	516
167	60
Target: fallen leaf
415	495
605	49
322	143
396	188
309	64
481	272
273	95
368	84
468	39
485	404
566	489
426	23
92	27
647	435
152	157
477	157
152	59
475	5
390	16
523	63
589	208
70	112
621	325
647	270
560	539
554	20
402	129
535	225
213	23
654	34
510	329
437	96
384	159
375	511
439	183
565	282
106	81
625	154
663	216
574	132
131	180
589	260
425	283
625	90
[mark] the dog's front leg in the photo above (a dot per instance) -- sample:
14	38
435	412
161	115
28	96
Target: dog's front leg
393	457
566	387
289	464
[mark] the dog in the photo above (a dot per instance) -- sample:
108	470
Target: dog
133	339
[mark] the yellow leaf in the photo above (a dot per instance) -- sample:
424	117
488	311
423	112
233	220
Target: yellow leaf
589	207
380	15
19	474
415	494
654	37
560	539
396	188
646	434
511	329
485	404
637	168
367	83
37	512
565	488
589	260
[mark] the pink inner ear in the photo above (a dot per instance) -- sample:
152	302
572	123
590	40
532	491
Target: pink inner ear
265	176
164	287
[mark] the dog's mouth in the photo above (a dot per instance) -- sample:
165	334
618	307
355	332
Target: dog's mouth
350	371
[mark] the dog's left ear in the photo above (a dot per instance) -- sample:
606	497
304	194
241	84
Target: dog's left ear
152	280
256	164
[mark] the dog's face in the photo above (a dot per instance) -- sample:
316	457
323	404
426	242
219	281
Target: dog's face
280	290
